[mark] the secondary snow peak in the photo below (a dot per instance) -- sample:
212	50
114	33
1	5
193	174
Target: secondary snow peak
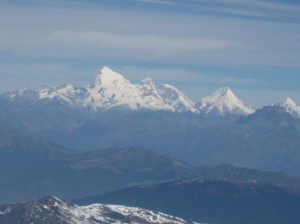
107	78
291	107
289	102
224	102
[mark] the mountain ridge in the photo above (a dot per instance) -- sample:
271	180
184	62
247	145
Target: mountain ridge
110	90
50	209
34	167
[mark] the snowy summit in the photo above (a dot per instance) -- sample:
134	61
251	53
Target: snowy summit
291	107
112	90
224	101
50	210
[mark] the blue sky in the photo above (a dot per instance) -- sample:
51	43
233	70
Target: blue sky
196	45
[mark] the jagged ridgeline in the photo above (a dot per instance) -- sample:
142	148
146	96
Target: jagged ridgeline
110	90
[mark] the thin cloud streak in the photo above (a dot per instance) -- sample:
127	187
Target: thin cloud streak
35	75
163	2
256	9
122	35
180	75
147	43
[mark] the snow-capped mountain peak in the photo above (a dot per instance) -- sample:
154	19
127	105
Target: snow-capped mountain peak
288	102
108	78
53	210
112	90
223	102
224	94
291	107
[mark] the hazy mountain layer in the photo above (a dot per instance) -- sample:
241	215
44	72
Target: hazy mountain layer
211	201
34	167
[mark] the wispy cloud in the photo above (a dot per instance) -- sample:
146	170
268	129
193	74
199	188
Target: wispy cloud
81	44
165	75
257	9
165	45
123	34
163	2
34	75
